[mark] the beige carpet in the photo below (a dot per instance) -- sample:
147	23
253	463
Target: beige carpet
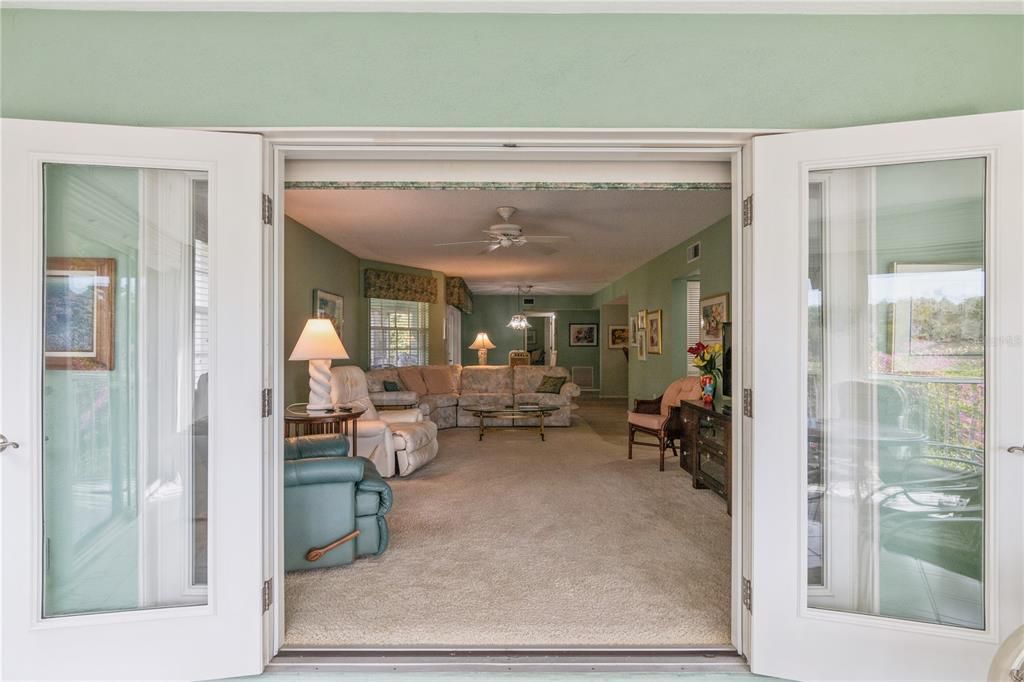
516	542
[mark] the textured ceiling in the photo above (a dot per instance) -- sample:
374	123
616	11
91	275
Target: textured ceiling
611	232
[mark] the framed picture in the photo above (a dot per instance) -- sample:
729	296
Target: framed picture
654	332
641	319
79	324
618	336
714	312
331	306
582	333
632	330
938	319
641	344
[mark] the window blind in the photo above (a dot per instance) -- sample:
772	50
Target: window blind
399	333
692	321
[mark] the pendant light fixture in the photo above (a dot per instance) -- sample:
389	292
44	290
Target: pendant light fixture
519	321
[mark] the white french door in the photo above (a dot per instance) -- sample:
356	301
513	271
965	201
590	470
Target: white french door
888	379
130	376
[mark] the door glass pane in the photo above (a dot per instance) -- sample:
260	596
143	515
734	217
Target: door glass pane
126	343
896	391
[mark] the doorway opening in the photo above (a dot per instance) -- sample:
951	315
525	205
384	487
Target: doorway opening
592	331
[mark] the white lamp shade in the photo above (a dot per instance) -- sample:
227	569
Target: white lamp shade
319	341
482	342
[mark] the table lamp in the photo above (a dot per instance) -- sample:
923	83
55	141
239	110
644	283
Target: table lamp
481	345
319	344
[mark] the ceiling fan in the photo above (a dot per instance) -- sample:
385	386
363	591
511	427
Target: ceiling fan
505	235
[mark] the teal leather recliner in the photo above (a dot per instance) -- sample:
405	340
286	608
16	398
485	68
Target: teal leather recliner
334	505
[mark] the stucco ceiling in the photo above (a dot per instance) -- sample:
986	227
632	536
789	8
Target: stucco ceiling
611	232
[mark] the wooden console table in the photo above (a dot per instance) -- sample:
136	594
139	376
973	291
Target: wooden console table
707	448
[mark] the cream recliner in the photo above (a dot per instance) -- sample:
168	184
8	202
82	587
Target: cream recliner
398	442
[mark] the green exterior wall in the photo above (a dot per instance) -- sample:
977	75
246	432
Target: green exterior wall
590	70
313	262
661	283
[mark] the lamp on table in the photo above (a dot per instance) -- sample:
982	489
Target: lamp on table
481	345
319	344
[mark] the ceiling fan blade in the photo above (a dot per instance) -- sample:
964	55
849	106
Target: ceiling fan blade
544	237
492	248
478	241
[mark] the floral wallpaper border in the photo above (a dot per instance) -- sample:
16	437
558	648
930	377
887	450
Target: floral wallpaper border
399	286
482	186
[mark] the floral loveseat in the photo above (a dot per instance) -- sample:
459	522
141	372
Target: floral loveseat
443	392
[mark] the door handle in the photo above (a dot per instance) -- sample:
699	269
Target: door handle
4	443
1016	448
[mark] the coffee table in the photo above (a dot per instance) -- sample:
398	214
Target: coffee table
511	413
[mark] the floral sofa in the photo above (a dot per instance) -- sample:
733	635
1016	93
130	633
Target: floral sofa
444	392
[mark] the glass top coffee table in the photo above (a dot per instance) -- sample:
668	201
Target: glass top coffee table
511	413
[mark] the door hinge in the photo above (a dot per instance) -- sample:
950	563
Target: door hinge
748	211
748	402
268	594
268	402
748	595
268	210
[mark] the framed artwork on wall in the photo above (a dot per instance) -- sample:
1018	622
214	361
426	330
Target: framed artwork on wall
714	312
641	344
79	324
632	330
582	333
641	320
654	330
331	306
618	336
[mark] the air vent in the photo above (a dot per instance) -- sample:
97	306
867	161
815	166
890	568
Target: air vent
528	301
693	252
583	377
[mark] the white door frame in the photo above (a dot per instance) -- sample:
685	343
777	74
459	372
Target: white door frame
511	144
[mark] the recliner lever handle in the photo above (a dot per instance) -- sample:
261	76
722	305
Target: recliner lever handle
317	553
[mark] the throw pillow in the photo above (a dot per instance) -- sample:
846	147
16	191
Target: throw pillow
412	379
438	380
392	386
550	384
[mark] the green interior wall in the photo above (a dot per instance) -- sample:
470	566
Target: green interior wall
586	70
660	283
314	262
614	367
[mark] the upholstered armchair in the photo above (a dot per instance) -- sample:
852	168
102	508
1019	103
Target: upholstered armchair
334	505
398	442
661	417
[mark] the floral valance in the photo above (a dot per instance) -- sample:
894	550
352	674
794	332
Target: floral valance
457	293
399	286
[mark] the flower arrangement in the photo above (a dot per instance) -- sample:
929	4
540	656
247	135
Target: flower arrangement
706	358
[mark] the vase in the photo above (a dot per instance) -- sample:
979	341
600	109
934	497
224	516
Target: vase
707	385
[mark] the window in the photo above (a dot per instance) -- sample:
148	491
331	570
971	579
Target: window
692	319
399	333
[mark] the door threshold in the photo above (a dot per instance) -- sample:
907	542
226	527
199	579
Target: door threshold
706	659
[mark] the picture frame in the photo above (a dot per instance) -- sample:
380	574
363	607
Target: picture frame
618	336
641	344
654	332
632	331
583	334
938	318
714	312
78	329
641	319
332	306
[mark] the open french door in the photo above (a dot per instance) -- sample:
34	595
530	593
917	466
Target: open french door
130	378
888	411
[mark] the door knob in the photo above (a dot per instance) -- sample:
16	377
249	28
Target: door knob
4	443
